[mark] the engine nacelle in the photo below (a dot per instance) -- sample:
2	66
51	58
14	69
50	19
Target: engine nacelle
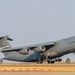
25	51
40	49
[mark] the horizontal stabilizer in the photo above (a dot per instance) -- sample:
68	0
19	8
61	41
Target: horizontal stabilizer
6	37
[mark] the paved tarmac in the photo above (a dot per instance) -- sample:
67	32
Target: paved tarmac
37	73
37	69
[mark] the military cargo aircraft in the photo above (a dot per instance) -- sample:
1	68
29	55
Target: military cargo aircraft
50	51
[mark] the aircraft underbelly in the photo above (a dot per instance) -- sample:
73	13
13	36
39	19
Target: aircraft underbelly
15	57
32	57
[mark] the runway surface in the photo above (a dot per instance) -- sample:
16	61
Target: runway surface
37	69
37	73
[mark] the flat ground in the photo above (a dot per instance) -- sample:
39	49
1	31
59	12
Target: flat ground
44	69
37	73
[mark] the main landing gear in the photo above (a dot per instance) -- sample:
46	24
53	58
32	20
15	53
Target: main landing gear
50	61
53	61
58	60
39	60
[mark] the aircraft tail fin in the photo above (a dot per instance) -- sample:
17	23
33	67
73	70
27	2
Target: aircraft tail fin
4	44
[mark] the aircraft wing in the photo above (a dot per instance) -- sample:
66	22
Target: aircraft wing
37	47
14	49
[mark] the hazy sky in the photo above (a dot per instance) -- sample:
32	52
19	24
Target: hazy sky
37	21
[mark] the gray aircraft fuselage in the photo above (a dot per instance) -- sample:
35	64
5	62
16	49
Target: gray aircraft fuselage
62	47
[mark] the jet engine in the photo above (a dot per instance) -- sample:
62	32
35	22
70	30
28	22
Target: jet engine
40	49
25	51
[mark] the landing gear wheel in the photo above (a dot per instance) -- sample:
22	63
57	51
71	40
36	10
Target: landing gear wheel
59	60
68	60
48	61
56	60
39	61
52	62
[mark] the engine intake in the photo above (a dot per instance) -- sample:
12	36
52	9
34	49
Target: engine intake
25	51
40	49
